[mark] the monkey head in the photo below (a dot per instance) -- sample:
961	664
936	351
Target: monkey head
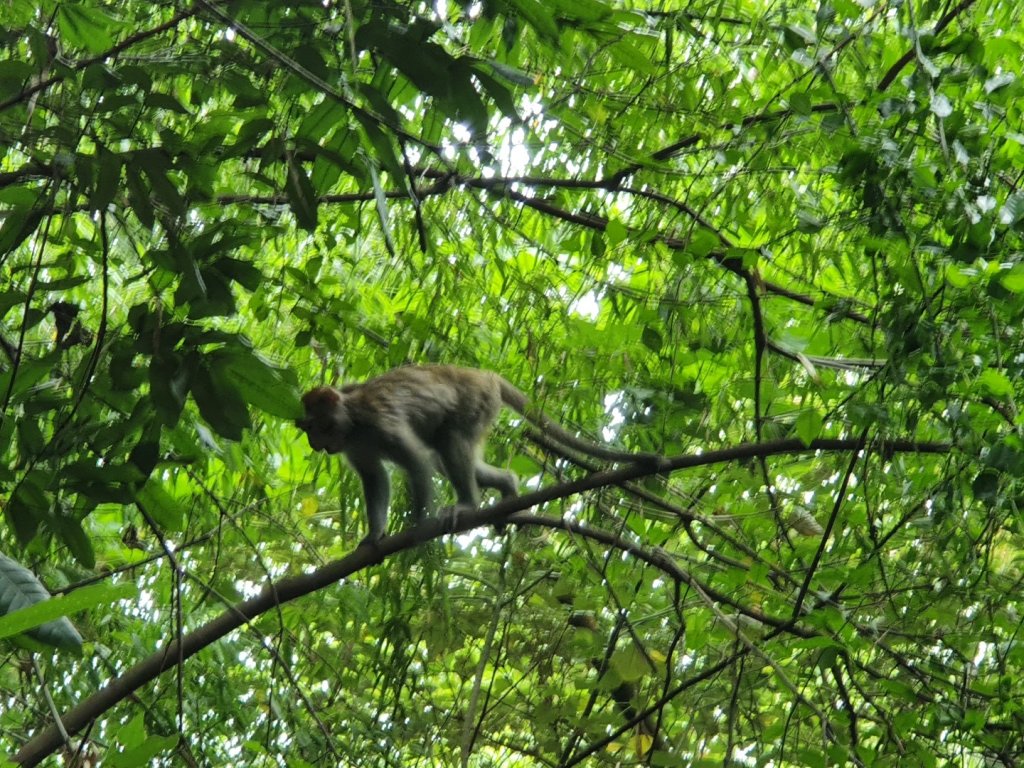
326	423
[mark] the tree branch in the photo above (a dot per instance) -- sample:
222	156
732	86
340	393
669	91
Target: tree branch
47	741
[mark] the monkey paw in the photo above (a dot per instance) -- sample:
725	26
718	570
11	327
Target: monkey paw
370	539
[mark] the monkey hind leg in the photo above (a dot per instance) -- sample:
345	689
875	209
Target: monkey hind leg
458	459
503	481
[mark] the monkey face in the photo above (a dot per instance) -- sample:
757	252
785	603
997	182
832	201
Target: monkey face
319	438
326	422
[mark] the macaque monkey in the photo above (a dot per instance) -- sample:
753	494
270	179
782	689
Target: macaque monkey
425	418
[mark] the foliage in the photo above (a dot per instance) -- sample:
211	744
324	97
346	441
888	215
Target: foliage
20	589
779	244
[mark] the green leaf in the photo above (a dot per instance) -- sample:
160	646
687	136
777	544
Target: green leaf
169	381
513	75
108	180
318	123
220	402
466	101
702	243
538	16
630	664
161	506
584	10
166	101
958	277
808	426
139	746
28	505
941	105
154	163
138	196
45	621
798	36
242	272
995	383
85	27
500	95
16	227
272	390
70	531
1013	208
652	338
800	103
615	232
1013	280
632	57
985	486
380	145
142	755
808	223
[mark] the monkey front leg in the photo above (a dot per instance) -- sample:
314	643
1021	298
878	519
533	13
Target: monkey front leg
377	492
417	461
419	468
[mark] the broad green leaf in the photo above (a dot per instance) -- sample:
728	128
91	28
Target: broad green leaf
86	26
808	223
16	227
632	57
166	101
138	195
380	144
501	95
513	75
630	664
1013	208
1013	280
615	232
652	338
155	165
800	103
142	755
169	381
75	538
220	401
808	426
318	122
702	243
538	16
995	383
242	272
584	10
161	506
108	179
45	620
22	514
263	386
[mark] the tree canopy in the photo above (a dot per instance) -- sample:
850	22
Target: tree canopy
777	244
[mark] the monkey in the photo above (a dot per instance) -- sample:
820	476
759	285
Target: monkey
424	418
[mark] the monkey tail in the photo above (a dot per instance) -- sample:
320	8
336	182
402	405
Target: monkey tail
520	403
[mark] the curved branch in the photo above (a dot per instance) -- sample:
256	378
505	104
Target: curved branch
177	651
124	45
907	57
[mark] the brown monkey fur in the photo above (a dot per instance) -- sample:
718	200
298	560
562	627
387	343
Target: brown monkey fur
424	419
